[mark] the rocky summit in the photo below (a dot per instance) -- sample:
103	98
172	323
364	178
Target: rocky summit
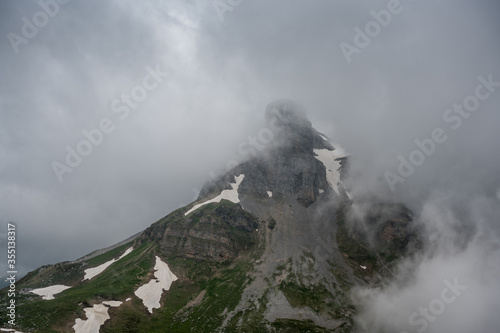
273	245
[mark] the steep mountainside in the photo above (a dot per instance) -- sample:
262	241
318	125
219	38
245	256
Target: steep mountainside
271	246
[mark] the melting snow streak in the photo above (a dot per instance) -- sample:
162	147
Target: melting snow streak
92	272
231	195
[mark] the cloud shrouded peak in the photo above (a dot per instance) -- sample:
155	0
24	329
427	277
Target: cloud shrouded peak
71	67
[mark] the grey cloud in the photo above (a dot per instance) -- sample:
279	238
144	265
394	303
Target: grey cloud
221	76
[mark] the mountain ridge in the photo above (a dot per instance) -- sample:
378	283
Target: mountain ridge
267	247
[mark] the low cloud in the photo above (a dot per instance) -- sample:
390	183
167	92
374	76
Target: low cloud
450	287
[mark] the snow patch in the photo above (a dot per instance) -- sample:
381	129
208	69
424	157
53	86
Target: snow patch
96	316
9	330
364	267
231	195
151	292
49	292
93	272
270	194
113	304
327	157
321	191
130	249
128	299
324	138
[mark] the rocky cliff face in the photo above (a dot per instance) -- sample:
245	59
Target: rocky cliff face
211	233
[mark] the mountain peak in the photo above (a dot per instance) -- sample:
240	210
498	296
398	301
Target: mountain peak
287	112
292	131
299	163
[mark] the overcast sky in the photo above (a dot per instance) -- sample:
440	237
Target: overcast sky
217	66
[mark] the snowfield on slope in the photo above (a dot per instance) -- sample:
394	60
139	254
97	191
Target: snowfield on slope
93	272
327	157
151	292
231	195
49	292
96	316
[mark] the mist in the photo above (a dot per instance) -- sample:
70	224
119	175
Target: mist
198	78
452	285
